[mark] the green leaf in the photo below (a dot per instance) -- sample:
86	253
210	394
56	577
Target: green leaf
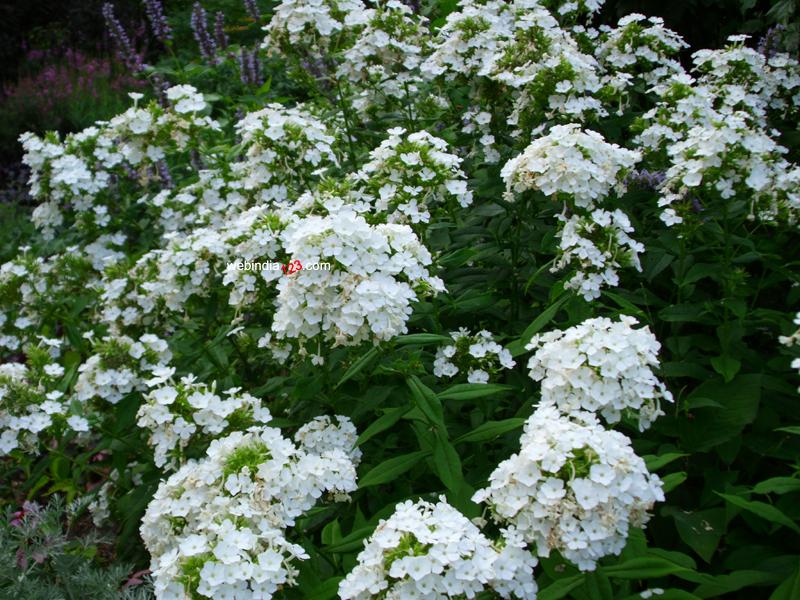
472	391
683	313
700	530
789	589
794	429
390	469
654	463
777	485
724	584
382	423
447	464
351	542
517	347
359	365
427	402
673	480
421	339
560	588
326	590
761	509
644	567
713	426
726	366
490	430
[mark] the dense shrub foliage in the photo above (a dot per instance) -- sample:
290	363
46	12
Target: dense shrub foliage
484	303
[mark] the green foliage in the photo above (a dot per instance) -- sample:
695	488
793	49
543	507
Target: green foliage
42	559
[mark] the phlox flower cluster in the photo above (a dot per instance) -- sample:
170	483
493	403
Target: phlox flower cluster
383	60
574	487
714	133
639	47
595	247
479	356
409	173
469	39
569	161
323	433
313	28
725	159
218	526
207	202
119	366
759	84
600	366
30	404
77	174
378	271
581	169
32	289
284	148
163	280
184	413
426	550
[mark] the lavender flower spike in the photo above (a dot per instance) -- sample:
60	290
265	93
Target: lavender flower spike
125	50
219	30
208	48
158	21
252	9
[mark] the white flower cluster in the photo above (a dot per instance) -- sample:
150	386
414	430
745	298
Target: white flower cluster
748	80
285	149
468	41
715	134
408	173
377	273
184	413
600	366
312	28
580	169
571	10
163	280
76	175
477	355
322	434
207	202
521	45
574	487
217	528
383	60
32	290
579	164
596	246
639	47
427	550
477	121
724	159
119	366
31	407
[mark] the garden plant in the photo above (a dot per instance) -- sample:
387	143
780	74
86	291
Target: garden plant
479	299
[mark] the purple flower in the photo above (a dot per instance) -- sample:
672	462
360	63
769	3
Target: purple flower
158	21
208	49
125	50
769	43
645	179
219	30
252	9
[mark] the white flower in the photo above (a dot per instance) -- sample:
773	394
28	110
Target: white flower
600	366
573	487
427	550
